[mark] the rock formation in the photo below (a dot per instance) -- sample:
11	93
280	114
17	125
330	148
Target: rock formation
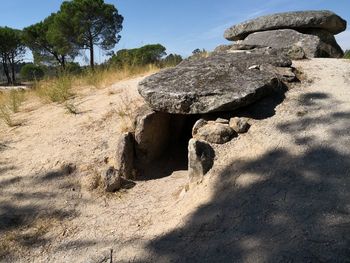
300	21
231	77
312	30
221	82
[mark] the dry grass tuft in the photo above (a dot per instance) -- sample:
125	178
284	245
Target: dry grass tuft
55	90
91	181
101	78
126	111
10	103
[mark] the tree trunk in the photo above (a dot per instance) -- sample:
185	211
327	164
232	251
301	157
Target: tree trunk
12	62
92	61
6	71
63	62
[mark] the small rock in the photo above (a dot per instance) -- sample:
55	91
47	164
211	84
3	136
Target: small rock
254	67
216	133
239	125
111	180
200	159
199	124
125	155
68	168
221	120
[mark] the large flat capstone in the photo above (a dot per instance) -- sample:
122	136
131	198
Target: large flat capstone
299	21
220	82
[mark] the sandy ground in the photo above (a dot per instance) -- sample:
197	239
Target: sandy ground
276	194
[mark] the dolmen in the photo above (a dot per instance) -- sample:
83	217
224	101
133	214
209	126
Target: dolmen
256	65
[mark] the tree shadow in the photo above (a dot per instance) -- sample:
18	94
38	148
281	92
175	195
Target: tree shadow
279	207
25	216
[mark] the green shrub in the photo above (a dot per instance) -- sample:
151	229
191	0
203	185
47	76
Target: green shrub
32	72
347	54
73	68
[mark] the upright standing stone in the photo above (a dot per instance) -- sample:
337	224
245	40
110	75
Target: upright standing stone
125	155
200	159
152	134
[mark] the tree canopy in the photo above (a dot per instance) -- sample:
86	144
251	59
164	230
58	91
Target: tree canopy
12	51
47	44
89	23
148	54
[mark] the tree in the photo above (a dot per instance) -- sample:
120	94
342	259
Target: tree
32	72
89	23
172	60
148	54
347	54
196	51
47	44
12	51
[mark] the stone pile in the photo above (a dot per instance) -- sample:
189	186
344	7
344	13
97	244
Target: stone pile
313	31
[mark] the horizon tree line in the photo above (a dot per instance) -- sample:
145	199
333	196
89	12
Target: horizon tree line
59	38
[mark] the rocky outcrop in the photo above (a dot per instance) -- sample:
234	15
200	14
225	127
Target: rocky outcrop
301	20
220	82
200	159
317	44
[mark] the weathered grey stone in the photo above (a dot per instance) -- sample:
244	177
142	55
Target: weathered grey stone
285	74
199	124
222	121
125	155
152	134
235	46
216	133
239	125
220	82
295	52
318	44
200	159
300	20
111	180
328	46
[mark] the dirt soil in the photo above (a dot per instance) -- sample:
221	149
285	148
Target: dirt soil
279	193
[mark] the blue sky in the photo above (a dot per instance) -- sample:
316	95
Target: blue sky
180	25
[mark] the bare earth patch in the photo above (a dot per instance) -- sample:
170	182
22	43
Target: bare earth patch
276	194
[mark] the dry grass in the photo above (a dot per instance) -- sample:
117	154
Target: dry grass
55	90
102	78
10	103
126	111
62	88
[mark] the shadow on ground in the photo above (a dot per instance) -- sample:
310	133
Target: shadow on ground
291	208
30	208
